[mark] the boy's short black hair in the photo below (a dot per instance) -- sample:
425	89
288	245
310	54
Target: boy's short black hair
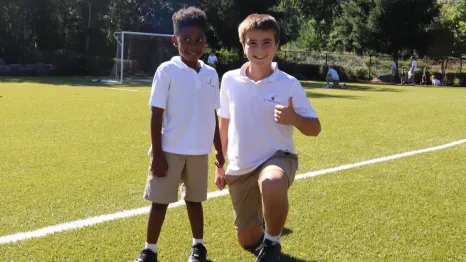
190	16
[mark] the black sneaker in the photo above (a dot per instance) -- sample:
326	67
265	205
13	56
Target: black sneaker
147	255
198	253
269	251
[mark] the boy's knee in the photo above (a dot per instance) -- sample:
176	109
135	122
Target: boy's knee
251	238
274	185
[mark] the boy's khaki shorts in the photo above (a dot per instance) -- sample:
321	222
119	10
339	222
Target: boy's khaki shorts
189	172
245	193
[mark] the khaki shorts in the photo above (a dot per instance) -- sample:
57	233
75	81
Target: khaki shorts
336	83
245	193
189	172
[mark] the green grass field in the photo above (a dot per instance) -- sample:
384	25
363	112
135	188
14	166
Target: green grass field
71	149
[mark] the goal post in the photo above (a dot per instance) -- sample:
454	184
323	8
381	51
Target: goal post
139	54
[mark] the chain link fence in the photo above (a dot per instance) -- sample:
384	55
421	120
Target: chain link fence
313	65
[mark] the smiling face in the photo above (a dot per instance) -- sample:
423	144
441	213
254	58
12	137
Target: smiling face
260	47
190	42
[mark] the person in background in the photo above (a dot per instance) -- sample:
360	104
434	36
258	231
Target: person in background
332	75
212	60
393	72
412	79
424	76
435	81
404	76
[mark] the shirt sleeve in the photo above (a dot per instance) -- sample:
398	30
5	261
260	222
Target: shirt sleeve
216	93
224	111
160	87
301	103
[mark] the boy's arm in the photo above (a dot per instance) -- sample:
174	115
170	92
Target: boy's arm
158	104
286	115
307	126
223	128
219	155
159	164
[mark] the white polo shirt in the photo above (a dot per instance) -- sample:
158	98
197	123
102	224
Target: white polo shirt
414	65
253	134
334	74
189	99
212	59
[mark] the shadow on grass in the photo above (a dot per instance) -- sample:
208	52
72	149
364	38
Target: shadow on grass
354	86
286	231
72	81
319	95
288	258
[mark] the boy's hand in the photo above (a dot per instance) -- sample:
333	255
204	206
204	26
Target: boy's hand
285	115
220	178
158	165
219	159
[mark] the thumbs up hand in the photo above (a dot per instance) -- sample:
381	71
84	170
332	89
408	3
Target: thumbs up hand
285	115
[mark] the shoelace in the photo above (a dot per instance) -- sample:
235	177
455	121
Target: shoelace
196	252
145	254
262	251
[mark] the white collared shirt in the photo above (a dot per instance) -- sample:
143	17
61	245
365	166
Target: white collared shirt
212	59
414	65
189	99
253	134
334	74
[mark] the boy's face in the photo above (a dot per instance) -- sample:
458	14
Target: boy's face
190	42
259	46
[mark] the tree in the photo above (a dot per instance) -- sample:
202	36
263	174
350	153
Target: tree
318	21
453	15
388	27
448	34
225	16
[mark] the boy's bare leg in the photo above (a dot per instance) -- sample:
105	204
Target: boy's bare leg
250	237
274	191
154	225
196	218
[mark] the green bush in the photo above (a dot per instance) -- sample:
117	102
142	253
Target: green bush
460	79
67	62
98	66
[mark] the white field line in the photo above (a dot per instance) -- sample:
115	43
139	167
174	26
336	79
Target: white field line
144	210
111	88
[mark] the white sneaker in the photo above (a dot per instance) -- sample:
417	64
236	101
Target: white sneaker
327	86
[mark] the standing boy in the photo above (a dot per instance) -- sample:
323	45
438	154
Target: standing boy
212	60
260	106
413	69
392	81
183	123
403	75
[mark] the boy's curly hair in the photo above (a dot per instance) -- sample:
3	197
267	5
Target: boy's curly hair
190	16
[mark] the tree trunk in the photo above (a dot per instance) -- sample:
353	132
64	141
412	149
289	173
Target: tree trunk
444	70
88	40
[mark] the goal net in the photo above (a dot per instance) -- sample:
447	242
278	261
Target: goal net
139	54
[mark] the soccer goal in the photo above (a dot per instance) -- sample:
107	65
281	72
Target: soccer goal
139	54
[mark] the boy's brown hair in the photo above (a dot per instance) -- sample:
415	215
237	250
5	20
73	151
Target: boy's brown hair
259	22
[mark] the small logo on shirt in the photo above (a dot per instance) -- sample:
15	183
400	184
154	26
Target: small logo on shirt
210	83
272	99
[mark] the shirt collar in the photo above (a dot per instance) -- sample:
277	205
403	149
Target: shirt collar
269	79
